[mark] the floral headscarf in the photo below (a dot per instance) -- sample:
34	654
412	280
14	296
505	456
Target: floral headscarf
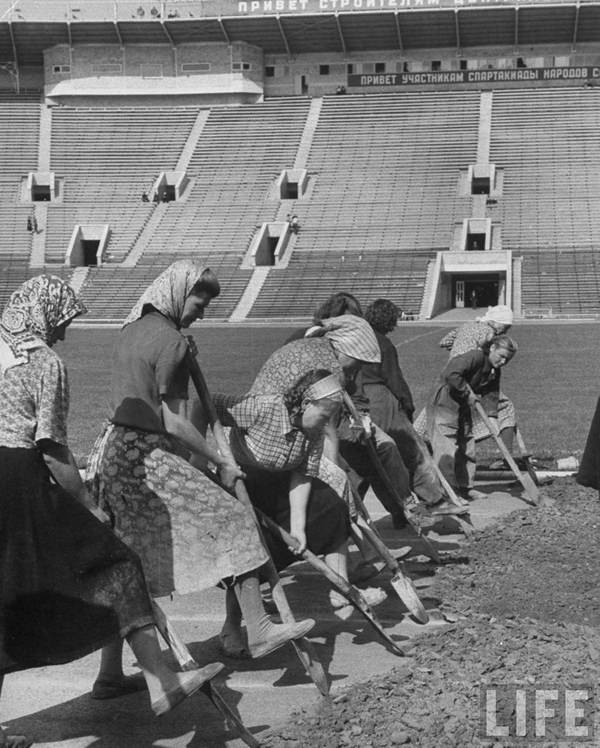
169	291
32	314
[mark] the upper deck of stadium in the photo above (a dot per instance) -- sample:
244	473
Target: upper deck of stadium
294	27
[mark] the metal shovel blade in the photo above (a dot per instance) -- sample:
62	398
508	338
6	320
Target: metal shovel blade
407	593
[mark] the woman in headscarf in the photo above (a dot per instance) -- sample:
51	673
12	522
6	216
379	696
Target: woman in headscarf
342	345
470	377
496	321
278	440
188	531
68	586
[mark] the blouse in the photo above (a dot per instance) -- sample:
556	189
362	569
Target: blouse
263	433
473	368
149	365
34	401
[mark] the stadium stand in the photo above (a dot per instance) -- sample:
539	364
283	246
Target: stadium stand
239	155
107	158
385	171
19	136
547	142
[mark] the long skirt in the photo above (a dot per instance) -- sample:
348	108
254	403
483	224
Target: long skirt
387	414
327	515
507	418
450	435
68	586
188	532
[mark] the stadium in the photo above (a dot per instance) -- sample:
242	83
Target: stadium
442	154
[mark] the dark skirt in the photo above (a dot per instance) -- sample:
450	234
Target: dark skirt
68	586
589	469
327	517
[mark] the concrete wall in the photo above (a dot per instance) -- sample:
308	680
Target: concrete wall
62	62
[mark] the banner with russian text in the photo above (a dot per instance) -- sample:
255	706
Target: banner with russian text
513	75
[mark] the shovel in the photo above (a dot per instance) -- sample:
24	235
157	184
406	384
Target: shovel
401	583
385	478
531	490
351	593
464	524
304	649
525	455
187	662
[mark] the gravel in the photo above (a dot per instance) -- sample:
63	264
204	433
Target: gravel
524	600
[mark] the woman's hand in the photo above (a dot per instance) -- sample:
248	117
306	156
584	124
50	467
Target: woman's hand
298	534
473	399
300	486
229	473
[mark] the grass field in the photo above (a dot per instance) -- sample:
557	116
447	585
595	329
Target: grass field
553	380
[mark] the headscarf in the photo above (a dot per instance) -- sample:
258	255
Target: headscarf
501	314
168	292
352	336
32	314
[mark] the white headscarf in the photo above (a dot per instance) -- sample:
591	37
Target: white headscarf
501	314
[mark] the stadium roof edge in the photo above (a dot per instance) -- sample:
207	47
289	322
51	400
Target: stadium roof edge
460	26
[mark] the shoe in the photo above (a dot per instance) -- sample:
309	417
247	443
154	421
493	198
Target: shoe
473	495
372	595
108	688
191	682
446	507
283	633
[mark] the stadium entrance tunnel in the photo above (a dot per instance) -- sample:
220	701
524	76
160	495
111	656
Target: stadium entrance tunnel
291	184
169	186
87	246
269	245
458	280
477	291
40	186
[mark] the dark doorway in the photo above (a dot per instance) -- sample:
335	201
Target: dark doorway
304	85
481	293
290	191
475	242
273	242
167	193
40	193
480	186
90	251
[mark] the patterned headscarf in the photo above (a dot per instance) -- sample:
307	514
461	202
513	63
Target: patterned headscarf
169	291
501	314
352	336
32	314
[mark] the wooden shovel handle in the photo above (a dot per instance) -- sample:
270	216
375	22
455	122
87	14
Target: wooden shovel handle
524	479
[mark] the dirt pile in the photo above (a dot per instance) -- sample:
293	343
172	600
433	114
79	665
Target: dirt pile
524	607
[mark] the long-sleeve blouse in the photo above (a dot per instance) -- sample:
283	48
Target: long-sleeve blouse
472	368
